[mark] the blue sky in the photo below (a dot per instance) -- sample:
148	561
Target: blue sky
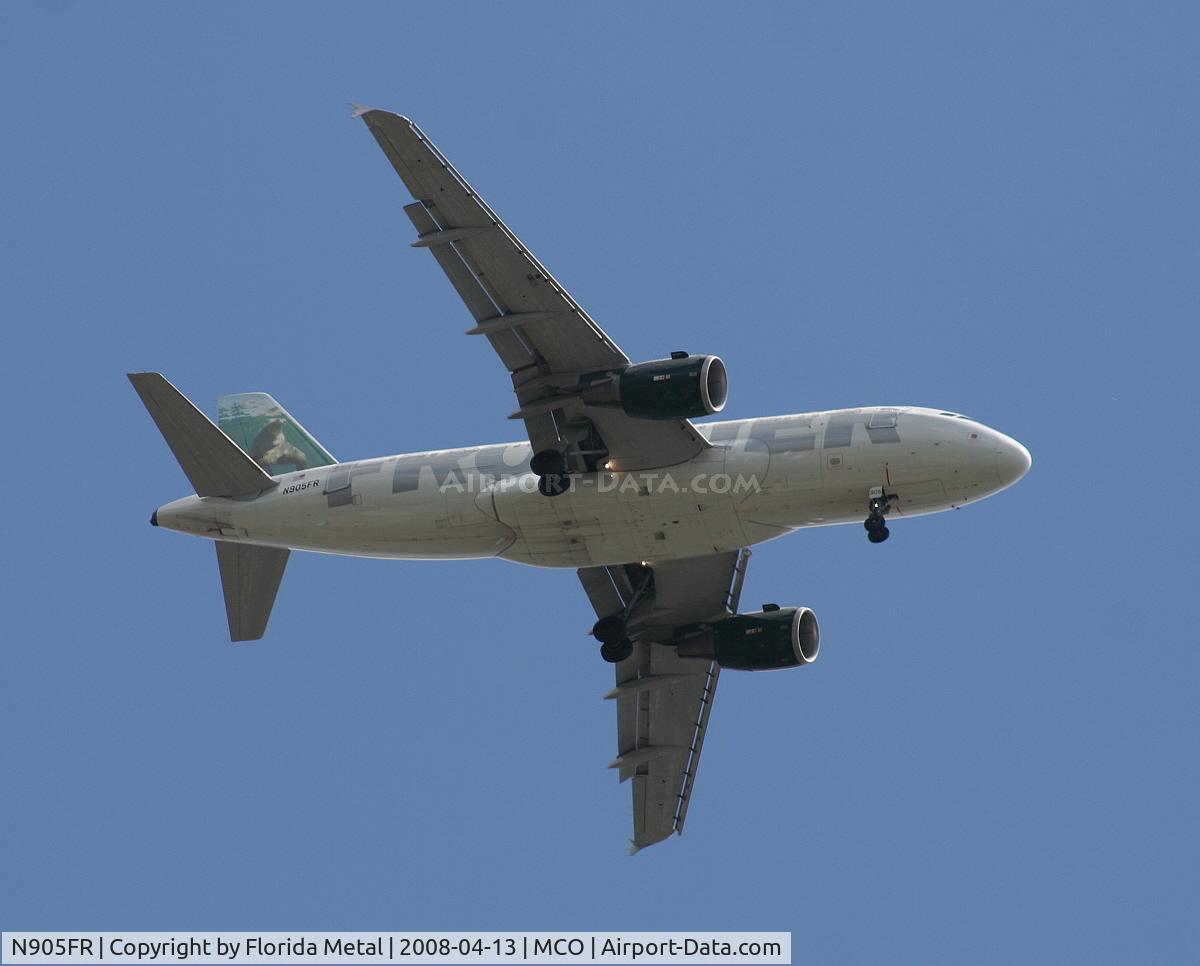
987	207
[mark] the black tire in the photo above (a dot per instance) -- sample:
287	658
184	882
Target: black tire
878	535
616	651
610	629
548	462
553	484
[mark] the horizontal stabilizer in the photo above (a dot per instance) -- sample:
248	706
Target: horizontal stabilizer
250	579
212	461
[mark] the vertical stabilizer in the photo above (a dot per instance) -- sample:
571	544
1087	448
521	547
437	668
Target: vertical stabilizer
268	434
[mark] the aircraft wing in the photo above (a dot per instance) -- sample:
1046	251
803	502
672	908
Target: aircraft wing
541	334
663	701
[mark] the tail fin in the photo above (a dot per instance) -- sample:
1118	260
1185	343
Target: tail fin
212	461
215	465
268	433
250	579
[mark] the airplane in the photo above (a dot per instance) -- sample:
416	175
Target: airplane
655	512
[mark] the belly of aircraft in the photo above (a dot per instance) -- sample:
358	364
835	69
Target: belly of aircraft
761	479
605	519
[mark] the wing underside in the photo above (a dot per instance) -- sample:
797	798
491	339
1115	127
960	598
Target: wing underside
663	701
542	335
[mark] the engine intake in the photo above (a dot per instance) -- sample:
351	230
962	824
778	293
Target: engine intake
769	640
675	388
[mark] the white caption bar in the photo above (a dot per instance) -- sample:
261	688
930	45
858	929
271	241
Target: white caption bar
397	947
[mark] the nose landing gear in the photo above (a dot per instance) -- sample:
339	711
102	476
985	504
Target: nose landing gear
878	503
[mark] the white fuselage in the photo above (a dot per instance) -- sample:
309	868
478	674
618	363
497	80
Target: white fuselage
761	478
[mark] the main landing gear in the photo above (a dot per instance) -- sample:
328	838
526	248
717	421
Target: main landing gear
550	466
878	504
612	634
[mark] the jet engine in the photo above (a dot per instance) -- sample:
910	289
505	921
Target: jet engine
773	638
675	388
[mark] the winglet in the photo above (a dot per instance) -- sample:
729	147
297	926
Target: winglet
361	110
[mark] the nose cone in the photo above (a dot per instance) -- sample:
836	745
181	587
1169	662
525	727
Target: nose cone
1012	461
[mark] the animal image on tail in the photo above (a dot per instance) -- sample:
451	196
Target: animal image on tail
268	433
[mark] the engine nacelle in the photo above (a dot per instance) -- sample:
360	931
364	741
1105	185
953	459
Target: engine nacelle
769	640
675	388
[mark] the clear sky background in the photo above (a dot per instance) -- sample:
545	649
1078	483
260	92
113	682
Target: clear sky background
990	208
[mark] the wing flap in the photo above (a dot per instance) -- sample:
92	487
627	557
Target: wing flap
664	723
464	281
468	284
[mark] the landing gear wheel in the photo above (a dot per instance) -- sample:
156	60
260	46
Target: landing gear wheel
553	484
616	651
875	523
610	629
548	462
